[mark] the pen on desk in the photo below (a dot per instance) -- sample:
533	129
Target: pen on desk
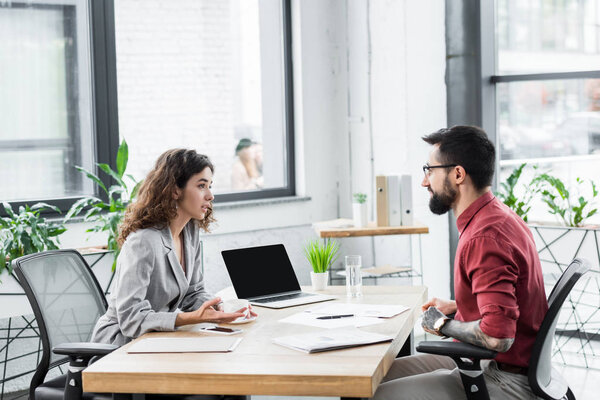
336	316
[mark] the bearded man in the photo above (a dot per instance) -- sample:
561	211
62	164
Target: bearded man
500	298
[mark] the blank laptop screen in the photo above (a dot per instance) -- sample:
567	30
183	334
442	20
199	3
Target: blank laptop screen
260	271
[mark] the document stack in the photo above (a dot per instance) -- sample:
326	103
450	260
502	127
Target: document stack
394	200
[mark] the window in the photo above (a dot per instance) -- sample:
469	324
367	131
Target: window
55	84
209	75
214	76
547	88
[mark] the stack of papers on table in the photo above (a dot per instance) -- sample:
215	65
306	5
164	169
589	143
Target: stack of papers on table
185	345
315	342
359	310
339	223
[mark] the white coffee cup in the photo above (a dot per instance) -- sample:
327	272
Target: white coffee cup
233	305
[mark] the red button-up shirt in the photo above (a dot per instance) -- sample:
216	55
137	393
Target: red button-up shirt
498	276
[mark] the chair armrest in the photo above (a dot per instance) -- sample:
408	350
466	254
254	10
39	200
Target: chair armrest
84	349
455	349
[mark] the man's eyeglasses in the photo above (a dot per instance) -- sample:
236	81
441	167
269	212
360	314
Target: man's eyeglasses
427	168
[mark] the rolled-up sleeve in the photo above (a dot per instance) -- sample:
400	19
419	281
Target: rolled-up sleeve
493	274
134	312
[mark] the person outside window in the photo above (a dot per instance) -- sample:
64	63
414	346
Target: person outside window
246	173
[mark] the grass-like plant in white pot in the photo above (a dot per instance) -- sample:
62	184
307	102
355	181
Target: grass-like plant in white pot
359	210
320	256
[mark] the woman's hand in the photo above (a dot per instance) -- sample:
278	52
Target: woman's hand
447	307
208	313
252	313
219	307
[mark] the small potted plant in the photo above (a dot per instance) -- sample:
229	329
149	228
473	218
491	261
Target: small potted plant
359	210
320	256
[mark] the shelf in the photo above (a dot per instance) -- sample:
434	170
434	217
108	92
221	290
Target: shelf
371	230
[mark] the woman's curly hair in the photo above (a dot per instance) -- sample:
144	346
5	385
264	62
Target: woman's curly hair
155	205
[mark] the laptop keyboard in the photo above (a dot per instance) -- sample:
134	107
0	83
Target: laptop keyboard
284	297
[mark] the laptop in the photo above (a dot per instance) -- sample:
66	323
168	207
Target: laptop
264	276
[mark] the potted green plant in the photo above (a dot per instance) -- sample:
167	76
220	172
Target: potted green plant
359	209
568	204
520	204
320	256
558	243
26	232
108	215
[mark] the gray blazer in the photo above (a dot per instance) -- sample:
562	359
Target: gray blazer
150	285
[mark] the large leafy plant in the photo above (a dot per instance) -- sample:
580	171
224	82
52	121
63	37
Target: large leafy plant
520	204
27	232
567	203
107	215
321	255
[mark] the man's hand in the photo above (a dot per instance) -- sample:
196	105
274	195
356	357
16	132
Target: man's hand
446	307
431	315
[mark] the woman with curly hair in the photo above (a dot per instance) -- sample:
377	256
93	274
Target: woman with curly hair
159	283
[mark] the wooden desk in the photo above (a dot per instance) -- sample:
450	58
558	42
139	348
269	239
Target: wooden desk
260	367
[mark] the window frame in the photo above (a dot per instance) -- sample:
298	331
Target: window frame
105	135
105	109
489	112
290	188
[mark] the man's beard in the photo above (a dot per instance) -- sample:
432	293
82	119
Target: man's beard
440	203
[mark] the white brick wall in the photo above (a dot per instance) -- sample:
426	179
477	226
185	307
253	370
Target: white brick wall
175	78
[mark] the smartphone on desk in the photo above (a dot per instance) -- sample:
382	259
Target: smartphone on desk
220	330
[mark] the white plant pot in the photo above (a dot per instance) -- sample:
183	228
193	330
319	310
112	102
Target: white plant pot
359	214
319	280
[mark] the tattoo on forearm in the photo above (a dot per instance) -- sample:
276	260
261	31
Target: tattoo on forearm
470	332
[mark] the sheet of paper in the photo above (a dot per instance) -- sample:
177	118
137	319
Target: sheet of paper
359	310
314	342
310	319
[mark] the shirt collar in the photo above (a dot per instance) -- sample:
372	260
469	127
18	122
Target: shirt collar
463	220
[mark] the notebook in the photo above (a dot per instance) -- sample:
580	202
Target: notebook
315	342
185	345
264	276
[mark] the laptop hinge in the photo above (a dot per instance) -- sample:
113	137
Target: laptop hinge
270	296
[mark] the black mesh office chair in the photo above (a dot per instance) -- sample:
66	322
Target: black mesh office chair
67	301
545	381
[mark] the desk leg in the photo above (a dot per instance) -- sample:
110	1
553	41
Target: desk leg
406	349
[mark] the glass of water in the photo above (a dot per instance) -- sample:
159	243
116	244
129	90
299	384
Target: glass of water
353	276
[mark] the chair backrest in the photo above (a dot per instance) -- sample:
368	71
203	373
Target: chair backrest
545	381
66	300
